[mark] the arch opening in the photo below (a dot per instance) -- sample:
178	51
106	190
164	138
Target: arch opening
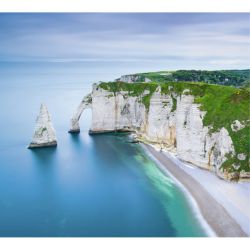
86	103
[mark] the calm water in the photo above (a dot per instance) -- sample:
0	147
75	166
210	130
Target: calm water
89	185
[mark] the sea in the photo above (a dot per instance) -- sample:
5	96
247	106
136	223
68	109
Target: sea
89	185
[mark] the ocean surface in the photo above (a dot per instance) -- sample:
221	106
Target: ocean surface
89	185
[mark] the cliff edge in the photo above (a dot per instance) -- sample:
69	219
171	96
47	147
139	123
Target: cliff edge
203	124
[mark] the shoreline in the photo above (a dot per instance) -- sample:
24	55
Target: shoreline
190	199
210	211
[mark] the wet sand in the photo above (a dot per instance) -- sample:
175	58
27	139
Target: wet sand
212	211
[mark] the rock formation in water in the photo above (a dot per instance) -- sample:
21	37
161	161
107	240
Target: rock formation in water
192	120
44	134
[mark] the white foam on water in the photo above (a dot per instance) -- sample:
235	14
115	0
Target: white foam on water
205	226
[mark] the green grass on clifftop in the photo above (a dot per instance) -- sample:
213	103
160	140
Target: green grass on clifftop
237	78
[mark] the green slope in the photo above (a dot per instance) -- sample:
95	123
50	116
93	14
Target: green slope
235	78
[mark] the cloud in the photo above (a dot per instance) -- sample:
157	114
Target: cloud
200	39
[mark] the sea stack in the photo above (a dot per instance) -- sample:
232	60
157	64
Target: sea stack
44	135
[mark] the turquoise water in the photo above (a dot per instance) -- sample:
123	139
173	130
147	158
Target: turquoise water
89	185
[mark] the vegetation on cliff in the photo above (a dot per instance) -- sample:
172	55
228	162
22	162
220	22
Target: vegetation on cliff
237	78
223	105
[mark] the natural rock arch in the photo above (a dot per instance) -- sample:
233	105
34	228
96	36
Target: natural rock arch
74	122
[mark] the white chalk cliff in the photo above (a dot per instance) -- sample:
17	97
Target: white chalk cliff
44	134
177	126
133	78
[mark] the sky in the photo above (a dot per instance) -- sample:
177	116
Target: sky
175	40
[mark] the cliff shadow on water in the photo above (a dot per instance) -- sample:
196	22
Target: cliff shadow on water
44	156
75	138
130	158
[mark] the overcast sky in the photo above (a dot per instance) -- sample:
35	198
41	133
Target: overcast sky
177	40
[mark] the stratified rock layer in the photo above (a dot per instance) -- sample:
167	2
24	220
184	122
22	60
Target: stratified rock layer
44	134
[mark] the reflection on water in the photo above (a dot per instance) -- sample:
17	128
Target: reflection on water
75	137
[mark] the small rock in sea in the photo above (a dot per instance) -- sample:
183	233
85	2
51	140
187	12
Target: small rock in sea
133	138
44	135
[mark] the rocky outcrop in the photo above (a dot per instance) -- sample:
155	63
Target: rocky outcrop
133	78
236	126
44	134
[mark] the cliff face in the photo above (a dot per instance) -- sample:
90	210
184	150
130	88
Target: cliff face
194	142
161	122
116	111
133	78
173	120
